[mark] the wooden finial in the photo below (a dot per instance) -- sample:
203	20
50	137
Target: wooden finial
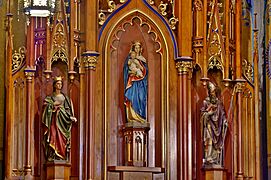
255	20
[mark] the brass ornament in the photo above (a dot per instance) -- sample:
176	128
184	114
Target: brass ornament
18	59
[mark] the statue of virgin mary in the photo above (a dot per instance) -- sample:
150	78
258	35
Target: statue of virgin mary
135	85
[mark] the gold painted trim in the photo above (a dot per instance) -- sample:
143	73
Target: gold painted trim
112	5
151	2
18	57
247	69
162	8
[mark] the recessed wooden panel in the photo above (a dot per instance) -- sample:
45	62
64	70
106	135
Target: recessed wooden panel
115	90
160	176
114	175
136	176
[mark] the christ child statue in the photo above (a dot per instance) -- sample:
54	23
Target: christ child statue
134	65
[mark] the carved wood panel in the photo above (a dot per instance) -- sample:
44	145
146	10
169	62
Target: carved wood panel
18	135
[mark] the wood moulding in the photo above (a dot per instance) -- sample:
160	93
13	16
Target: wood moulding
136	169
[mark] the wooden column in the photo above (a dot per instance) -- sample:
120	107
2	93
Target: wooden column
48	70
256	92
82	125
9	93
72	28
184	65
73	48
238	23
29	75
90	60
240	169
239	79
184	13
205	61
185	153
227	40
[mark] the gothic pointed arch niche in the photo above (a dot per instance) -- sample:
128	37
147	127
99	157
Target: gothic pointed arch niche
115	44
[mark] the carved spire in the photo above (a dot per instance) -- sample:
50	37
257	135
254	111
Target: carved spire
59	45
214	38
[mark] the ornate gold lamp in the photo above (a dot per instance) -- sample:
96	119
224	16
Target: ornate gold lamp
39	8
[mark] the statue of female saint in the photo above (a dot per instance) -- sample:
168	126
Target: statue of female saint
135	84
57	117
214	128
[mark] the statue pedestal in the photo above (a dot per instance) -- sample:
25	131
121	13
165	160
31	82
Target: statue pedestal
135	173
135	138
215	173
58	170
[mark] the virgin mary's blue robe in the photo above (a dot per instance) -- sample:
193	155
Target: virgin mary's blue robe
135	89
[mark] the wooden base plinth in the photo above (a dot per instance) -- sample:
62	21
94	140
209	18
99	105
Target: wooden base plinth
58	170
136	135
215	173
135	173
